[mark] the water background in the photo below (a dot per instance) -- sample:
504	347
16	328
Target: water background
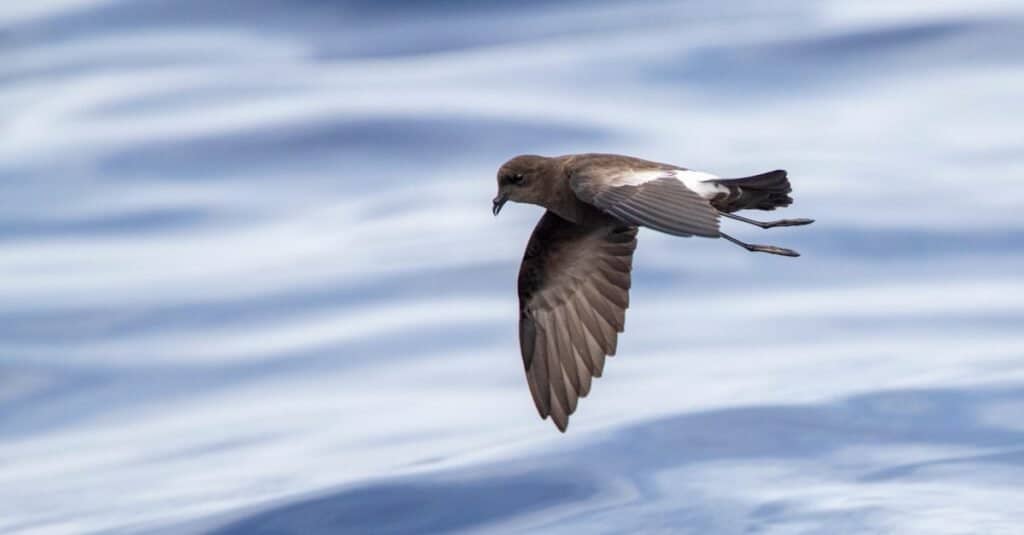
250	282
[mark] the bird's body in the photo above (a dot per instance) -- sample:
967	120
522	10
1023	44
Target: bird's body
576	273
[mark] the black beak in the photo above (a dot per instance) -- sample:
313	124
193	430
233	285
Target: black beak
499	201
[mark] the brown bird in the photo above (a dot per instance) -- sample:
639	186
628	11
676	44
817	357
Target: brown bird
575	277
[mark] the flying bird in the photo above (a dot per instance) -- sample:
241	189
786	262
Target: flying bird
575	276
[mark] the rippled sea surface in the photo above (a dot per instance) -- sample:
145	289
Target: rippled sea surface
250	282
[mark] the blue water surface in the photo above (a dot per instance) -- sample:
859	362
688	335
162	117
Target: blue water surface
250	282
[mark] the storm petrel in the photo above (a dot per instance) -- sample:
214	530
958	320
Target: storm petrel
575	276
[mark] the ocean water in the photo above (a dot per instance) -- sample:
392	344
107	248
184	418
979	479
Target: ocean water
250	282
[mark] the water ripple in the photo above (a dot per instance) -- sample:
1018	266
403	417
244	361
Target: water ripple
250	282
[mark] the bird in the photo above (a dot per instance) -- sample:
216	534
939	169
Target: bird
575	275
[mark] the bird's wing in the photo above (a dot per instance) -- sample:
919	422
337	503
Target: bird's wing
654	197
573	294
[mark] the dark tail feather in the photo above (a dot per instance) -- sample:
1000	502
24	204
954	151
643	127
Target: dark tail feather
766	191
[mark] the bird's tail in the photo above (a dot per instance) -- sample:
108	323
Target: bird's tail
766	191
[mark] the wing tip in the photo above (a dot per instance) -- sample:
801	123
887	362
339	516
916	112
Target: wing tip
561	425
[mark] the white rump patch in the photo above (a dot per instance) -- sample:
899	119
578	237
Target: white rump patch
696	181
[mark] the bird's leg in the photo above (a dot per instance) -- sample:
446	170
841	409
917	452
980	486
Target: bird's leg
755	248
770	224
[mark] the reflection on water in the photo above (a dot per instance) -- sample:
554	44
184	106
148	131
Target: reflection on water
250	283
582	488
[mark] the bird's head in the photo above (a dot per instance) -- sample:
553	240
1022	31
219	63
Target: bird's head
521	180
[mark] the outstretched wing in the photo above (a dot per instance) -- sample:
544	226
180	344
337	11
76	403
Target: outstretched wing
666	199
573	294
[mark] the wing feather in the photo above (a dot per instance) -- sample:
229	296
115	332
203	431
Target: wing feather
555	380
537	376
646	194
589	344
573	293
563	348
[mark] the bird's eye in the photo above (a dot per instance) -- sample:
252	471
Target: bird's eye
514	179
